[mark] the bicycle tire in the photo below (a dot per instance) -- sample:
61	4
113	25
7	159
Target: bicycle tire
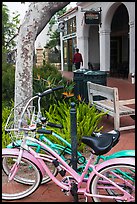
45	178
14	190
98	186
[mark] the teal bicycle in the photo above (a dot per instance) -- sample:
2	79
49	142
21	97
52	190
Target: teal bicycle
63	148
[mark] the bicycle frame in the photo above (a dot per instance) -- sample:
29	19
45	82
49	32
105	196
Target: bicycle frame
56	147
59	148
79	179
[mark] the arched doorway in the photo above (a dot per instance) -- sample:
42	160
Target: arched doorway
119	43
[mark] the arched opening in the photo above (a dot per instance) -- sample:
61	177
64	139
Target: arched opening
119	43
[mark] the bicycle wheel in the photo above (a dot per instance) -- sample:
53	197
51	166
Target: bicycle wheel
110	191
45	178
122	174
27	171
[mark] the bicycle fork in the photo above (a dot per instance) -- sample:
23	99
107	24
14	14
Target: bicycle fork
15	167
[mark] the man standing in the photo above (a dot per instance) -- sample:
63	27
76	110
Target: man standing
77	59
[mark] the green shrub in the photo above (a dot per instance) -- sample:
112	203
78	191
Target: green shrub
8	82
88	120
5	113
46	77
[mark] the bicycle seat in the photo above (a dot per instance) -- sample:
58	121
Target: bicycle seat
103	143
115	134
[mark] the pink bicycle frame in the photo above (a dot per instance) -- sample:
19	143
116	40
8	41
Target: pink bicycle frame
38	159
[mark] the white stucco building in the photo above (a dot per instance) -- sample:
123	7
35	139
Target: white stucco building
109	45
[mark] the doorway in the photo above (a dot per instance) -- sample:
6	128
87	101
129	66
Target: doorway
69	50
119	43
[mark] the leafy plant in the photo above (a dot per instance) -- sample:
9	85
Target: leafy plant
8	78
88	120
46	77
9	28
68	89
5	113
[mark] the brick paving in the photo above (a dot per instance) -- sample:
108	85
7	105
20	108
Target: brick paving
51	192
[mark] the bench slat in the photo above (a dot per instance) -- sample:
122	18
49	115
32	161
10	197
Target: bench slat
127	102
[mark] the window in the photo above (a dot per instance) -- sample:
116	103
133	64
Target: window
70	26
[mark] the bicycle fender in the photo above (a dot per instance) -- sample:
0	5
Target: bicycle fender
26	155
122	153
130	160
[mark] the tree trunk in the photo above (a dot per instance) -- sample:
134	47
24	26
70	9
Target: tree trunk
36	18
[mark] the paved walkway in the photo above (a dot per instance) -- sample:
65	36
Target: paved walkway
51	192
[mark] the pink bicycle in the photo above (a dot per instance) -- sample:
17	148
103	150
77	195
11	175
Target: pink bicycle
109	181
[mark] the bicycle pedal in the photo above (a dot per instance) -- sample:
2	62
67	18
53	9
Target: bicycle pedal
67	193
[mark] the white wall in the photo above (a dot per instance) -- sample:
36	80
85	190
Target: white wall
42	38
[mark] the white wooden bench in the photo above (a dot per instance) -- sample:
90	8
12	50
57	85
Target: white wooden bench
115	107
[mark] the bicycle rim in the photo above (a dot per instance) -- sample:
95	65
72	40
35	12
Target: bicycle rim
27	171
100	186
45	178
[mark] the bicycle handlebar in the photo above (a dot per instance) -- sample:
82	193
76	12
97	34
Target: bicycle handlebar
44	122
55	125
57	88
42	131
50	91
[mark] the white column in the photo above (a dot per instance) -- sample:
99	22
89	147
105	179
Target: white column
82	44
132	47
104	50
61	47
